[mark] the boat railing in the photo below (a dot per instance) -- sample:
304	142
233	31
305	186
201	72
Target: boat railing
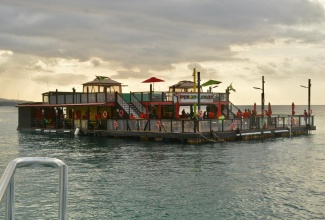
99	97
7	183
219	97
155	96
168	96
73	98
183	125
208	125
135	101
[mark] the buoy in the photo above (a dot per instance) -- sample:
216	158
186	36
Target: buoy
233	126
115	125
76	132
158	124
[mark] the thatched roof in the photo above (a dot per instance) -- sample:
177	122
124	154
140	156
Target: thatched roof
103	82
183	86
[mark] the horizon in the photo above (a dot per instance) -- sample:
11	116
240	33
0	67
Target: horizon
61	45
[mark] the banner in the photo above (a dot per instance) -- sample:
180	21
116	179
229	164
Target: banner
193	97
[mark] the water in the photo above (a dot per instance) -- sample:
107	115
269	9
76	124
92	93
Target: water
282	178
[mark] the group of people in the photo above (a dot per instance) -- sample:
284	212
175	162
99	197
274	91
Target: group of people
208	115
141	116
250	113
184	114
246	114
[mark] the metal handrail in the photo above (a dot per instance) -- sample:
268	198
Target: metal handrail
7	182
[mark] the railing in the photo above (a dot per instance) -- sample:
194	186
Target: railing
135	101
208	125
168	125
7	183
219	97
73	98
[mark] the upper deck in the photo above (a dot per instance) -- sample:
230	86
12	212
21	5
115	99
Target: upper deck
184	98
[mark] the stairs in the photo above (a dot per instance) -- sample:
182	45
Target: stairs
128	108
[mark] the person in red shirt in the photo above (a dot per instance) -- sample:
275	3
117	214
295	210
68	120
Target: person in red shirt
211	115
246	114
239	113
99	121
132	117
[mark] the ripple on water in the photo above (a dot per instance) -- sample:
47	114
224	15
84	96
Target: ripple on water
280	178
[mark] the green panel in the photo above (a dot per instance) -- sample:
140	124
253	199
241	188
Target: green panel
126	97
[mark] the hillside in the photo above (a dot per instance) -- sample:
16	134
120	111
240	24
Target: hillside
10	102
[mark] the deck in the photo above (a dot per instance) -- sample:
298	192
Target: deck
191	131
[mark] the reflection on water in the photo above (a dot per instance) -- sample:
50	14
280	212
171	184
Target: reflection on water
128	179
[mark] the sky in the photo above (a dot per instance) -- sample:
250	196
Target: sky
47	45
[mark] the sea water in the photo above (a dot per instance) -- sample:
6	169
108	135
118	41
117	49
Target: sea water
281	178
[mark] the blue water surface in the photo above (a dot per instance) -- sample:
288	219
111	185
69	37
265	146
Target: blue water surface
282	178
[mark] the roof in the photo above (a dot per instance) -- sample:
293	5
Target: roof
183	84
107	81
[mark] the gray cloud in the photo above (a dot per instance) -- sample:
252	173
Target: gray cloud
151	34
58	79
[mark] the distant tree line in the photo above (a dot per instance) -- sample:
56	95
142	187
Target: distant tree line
10	102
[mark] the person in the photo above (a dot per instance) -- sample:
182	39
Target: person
183	114
239	113
205	115
252	114
99	121
246	114
132	116
305	116
142	115
196	125
210	115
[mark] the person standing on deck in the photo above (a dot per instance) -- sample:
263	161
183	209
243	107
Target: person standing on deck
99	120
245	120
305	116
239	113
246	114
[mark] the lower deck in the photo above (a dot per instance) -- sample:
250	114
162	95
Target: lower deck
183	130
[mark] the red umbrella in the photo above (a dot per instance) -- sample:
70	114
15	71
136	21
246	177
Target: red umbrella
293	108
269	111
255	112
153	80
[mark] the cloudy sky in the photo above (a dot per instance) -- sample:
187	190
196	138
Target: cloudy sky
47	45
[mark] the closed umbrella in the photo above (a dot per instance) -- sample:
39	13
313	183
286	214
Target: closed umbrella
177	107
219	110
255	112
269	110
293	108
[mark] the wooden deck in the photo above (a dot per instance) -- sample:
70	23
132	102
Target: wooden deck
197	137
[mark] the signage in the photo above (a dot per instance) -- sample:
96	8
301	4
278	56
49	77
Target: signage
193	97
